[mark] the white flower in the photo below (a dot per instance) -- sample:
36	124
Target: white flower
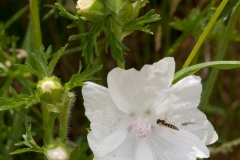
57	153
124	115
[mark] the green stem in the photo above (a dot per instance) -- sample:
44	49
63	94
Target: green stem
220	54
205	33
46	119
165	25
120	64
48	130
37	41
63	118
34	11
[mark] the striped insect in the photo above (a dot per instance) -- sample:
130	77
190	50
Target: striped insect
163	122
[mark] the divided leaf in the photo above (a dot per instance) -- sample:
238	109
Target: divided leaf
17	101
42	68
78	79
117	48
27	67
28	141
139	23
91	46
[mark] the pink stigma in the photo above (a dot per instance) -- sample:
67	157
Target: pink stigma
142	128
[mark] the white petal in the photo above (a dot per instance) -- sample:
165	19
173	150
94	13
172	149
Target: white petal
168	144
185	94
102	147
160	73
143	151
109	158
196	122
134	91
178	106
106	119
132	148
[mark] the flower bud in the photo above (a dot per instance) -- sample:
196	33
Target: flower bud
58	153
125	13
50	90
93	10
115	5
128	12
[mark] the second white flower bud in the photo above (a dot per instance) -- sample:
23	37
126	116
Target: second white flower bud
93	10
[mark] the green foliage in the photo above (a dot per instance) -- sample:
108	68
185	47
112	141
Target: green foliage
29	142
117	48
65	13
91	46
198	25
41	60
115	28
140	23
78	153
17	101
79	78
3	70
15	17
216	64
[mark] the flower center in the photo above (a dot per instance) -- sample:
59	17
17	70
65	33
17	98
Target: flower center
142	128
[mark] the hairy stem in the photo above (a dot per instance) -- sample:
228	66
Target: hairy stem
34	11
63	118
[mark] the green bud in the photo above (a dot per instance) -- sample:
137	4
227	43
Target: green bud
93	10
136	8
115	5
50	90
128	12
125	13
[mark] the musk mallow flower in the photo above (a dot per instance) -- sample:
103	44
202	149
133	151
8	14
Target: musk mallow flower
124	116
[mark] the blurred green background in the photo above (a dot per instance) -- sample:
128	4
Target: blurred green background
181	24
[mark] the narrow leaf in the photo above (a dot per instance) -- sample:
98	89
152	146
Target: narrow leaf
27	67
48	52
78	79
23	150
17	101
216	64
14	93
55	59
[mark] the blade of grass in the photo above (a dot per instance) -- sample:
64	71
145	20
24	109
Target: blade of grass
36	29
15	17
220	54
205	33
